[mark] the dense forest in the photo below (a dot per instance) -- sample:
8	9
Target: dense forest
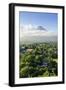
38	60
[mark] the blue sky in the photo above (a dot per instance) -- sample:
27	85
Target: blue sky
48	20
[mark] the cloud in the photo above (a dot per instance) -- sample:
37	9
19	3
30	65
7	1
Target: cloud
30	30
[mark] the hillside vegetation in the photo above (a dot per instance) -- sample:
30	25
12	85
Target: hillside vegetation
38	60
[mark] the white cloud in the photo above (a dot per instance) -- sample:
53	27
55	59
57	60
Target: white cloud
30	30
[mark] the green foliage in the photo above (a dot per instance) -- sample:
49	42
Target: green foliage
46	74
38	60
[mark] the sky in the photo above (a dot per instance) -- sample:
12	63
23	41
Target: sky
47	20
38	27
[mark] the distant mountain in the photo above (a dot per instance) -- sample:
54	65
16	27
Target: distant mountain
41	28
